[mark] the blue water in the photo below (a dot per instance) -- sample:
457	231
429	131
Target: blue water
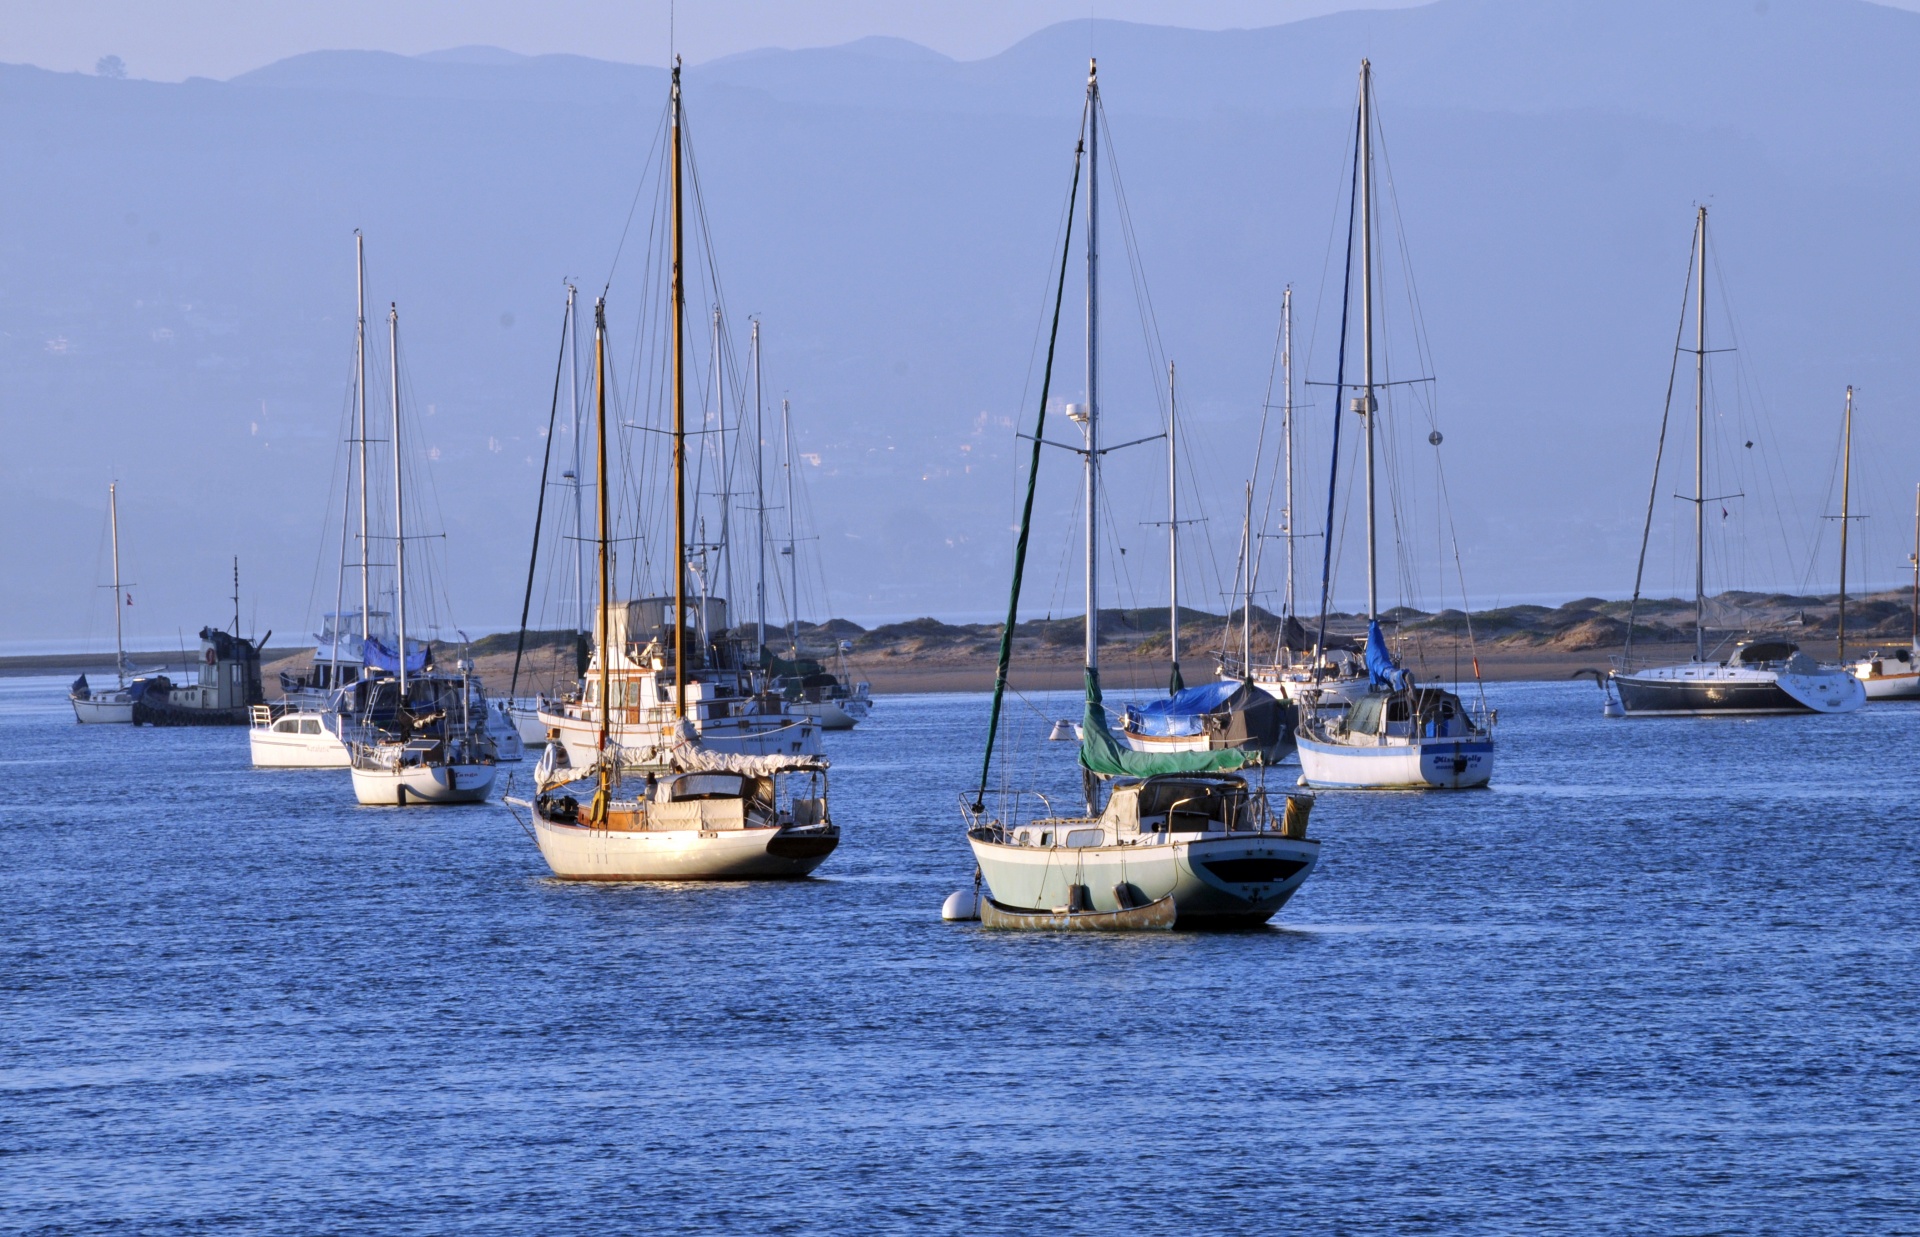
1659	979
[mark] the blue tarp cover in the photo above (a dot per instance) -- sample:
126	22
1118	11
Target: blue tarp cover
377	656
1386	672
1183	712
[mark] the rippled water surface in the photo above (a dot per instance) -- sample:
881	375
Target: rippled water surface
1660	978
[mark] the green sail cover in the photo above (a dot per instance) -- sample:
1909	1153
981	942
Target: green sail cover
1103	754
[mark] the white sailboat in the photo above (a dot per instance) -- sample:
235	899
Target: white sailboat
1182	840
1894	674
1396	735
698	814
437	750
92	707
1763	675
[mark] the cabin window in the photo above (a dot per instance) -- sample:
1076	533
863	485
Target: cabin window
1085	837
310	725
287	725
708	786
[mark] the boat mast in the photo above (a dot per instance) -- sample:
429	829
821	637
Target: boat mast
601	526
793	556
1846	484
1366	405
119	643
360	401
1286	425
579	514
1092	426
1173	531
1246	594
759	496
679	428
1700	448
1916	567
399	509
724	575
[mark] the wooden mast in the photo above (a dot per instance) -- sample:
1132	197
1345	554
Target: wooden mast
679	427
604	772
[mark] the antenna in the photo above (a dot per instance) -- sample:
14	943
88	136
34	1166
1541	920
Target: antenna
236	596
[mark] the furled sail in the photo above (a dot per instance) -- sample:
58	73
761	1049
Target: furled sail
1380	663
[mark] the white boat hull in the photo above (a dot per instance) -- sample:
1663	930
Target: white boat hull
103	710
273	749
1890	677
422	784
841	714
1197	875
579	853
1438	764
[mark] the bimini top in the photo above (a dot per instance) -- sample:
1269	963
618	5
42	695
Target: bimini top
1757	651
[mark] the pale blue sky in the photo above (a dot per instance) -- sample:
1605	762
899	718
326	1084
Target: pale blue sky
220	38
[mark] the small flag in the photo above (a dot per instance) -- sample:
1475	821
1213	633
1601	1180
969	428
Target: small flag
1723	513
129	598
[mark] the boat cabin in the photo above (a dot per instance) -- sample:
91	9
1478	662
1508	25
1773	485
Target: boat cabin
1774	654
1153	807
1418	712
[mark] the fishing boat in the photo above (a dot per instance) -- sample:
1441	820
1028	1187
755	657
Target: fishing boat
685	812
91	707
1182	840
1227	715
1763	675
433	746
1397	734
225	686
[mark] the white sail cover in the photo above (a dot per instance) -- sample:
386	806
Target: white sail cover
679	752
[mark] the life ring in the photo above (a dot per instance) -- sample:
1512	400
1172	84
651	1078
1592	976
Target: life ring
211	658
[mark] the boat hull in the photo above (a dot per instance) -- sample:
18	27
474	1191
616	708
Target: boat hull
579	853
1231	880
272	749
1430	764
1706	693
840	714
102	711
422	784
1153	917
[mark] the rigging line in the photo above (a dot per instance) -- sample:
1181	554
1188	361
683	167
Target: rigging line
658	130
540	506
1659	453
1340	373
1033	476
1259	449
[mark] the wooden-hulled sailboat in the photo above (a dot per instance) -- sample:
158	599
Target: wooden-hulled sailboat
1396	735
698	814
1182	840
1894	674
431	744
1762	676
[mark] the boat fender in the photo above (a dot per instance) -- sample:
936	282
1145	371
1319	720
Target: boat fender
1294	823
1079	899
961	905
1123	894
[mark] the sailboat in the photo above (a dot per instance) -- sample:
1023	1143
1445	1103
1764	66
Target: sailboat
1182	839
698	814
1302	668
1397	735
116	706
1894	674
1227	715
802	681
432	746
1763	675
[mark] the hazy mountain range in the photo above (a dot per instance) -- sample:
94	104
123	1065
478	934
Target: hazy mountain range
176	288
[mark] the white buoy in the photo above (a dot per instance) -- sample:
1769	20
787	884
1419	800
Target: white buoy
1064	730
1302	781
960	905
1612	708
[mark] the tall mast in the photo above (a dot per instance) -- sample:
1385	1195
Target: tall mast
679	428
793	555
1092	426
1700	448
1916	566
579	514
360	402
1246	593
759	497
1846	489
602	522
1366	401
119	643
1173	528
399	508
724	575
1286	425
